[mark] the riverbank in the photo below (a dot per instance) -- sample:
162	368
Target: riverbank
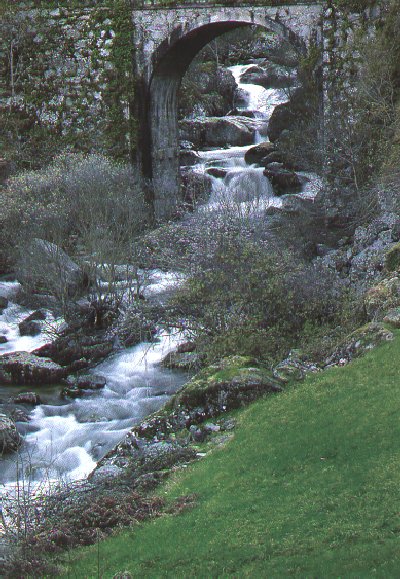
307	486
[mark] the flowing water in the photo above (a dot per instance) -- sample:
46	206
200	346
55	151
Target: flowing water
64	439
245	189
67	438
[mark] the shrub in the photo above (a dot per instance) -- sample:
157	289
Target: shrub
85	204
246	294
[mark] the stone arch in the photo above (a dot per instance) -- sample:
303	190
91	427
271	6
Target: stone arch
163	66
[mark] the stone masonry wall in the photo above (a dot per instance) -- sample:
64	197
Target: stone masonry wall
66	79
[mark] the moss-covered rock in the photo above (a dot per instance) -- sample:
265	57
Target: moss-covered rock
393	317
22	368
360	342
382	296
230	384
392	259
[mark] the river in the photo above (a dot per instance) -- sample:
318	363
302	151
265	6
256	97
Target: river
66	438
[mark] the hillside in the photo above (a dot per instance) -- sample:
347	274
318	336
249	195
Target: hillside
308	486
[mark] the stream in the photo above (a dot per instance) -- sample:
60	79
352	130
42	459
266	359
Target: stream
66	438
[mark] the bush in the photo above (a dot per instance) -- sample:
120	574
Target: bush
248	295
84	204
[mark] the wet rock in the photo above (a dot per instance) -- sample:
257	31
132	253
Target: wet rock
282	118
182	361
189	158
87	381
286	115
19	415
23	368
217	172
3	303
239	113
10	439
286	159
30	398
218	131
72	392
196	187
283	180
30	326
77	351
186	347
256	154
40	315
269	76
3	340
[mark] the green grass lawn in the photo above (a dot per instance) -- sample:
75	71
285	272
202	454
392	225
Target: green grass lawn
309	486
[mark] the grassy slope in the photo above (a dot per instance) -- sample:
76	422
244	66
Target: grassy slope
309	486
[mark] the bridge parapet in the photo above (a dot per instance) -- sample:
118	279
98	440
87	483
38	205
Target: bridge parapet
157	4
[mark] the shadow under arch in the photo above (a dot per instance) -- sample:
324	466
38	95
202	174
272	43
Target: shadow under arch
170	63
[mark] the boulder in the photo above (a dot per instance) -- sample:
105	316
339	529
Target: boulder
77	384
218	131
256	154
393	317
282	180
239	113
359	342
30	398
76	351
288	114
10	439
225	386
188	158
87	381
217	172
196	187
3	303
284	158
3	340
182	361
40	267
392	258
382	297
30	326
269	76
282	118
22	368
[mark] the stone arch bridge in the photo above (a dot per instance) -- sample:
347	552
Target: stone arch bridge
167	38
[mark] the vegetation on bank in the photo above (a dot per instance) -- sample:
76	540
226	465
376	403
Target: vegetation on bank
308	487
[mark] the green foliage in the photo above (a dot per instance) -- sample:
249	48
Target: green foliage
74	195
119	94
392	259
354	5
250	296
307	487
